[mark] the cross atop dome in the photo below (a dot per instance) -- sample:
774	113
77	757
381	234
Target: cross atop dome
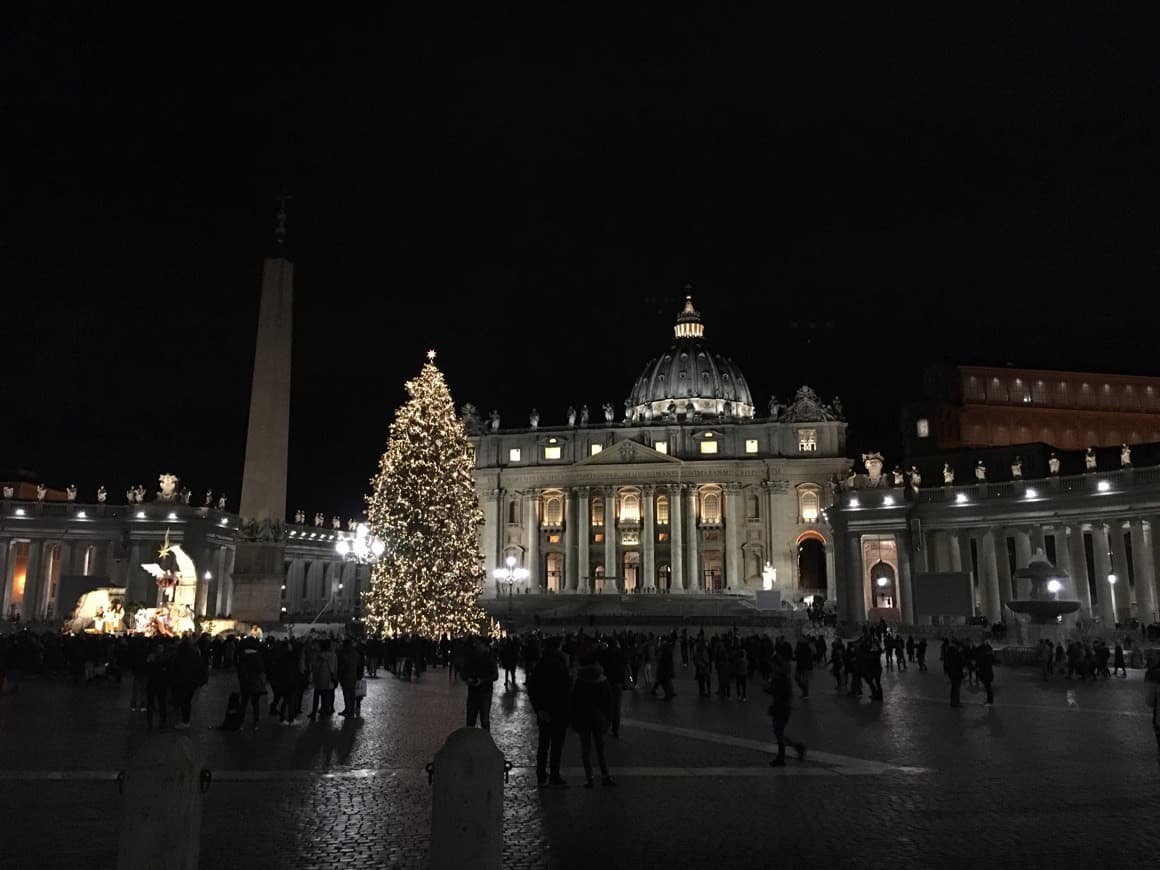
689	323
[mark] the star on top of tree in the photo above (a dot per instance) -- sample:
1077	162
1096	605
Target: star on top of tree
431	355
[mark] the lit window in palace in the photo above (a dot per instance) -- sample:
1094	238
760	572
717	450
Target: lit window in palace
711	508
553	511
630	509
553	539
598	538
514	455
663	510
807	440
662	536
750	445
708	446
552	452
597	511
661	447
593	449
808	501
923	427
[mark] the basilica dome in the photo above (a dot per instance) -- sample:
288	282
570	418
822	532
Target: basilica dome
689	376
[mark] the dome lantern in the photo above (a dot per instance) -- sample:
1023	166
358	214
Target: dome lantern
689	323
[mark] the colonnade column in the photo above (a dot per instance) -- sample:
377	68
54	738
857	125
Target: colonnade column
5	580
1037	539
584	539
33	582
853	603
1079	575
1123	591
954	550
692	564
571	538
1022	560
734	570
220	574
676	539
532	544
1103	562
611	575
905	581
491	499
989	577
1145	572
649	539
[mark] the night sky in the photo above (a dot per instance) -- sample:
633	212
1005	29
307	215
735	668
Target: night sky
851	198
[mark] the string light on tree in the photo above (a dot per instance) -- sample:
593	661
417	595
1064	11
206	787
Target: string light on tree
424	507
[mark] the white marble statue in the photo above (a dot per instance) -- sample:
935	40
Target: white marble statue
494	418
690	409
1089	459
671	410
728	409
534	419
1125	456
300	516
851	479
980	472
139	493
899	477
873	462
948	475
130	495
41	491
915	477
186	495
1017	469
102	494
571	416
648	413
319	520
774	408
222	503
9	491
583	415
71	492
168	486
208	497
1053	464
335	523
609	412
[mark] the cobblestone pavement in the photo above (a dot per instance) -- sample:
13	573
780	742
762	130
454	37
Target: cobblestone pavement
1034	781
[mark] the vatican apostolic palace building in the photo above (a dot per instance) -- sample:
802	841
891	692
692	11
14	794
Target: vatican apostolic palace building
687	489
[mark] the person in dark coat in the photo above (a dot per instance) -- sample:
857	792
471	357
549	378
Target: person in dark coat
157	681
549	688
351	667
781	689
615	671
480	672
953	668
666	670
985	669
185	674
251	676
591	714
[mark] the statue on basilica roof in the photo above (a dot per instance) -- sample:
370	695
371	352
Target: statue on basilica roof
609	412
493	421
471	419
1125	455
583	415
948	475
807	408
102	494
1089	459
534	419
571	416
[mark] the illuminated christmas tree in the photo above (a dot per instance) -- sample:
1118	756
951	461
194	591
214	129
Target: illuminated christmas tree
425	509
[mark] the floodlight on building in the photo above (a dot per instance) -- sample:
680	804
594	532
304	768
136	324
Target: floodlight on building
853	501
140	515
172	515
888	500
1103	486
1054	587
1031	493
20	512
961	498
81	514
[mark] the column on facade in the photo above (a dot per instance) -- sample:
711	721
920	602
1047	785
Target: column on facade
1122	590
571	539
1022	560
852	603
1145	569
1038	541
905	580
734	520
648	543
692	563
611	574
954	550
1077	556
1101	556
491	500
531	514
989	576
219	572
33	580
676	539
5	577
1003	564
584	539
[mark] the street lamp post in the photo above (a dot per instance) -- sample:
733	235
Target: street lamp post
511	574
363	547
1112	591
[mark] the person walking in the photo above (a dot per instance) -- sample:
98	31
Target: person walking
187	672
985	669
591	713
324	677
1118	667
480	671
549	690
610	658
804	660
666	670
781	689
351	669
251	676
953	668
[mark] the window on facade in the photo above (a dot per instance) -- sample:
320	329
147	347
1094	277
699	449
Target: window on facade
661	447
552	452
808	501
513	512
593	449
471	453
708	446
597	511
514	455
553	539
750	445
711	508
598	538
630	509
807	440
753	507
922	427
663	510
553	511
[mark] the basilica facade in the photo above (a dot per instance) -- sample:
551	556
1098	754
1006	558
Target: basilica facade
689	491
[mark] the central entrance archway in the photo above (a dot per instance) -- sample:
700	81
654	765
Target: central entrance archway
811	561
631	570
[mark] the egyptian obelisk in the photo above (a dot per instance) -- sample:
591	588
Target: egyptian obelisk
258	571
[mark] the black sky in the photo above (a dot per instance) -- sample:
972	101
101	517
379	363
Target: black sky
851	198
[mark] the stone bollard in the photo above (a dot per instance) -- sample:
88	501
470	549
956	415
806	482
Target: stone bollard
161	818
467	806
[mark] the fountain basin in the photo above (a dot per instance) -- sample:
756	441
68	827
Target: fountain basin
1043	612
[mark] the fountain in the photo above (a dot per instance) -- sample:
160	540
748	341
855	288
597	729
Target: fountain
1044	611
